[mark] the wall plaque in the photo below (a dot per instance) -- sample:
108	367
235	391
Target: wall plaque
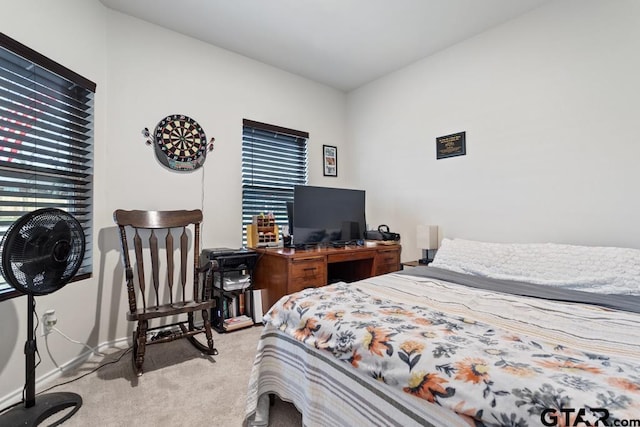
451	145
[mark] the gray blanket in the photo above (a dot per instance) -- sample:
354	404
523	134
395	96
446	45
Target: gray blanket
618	302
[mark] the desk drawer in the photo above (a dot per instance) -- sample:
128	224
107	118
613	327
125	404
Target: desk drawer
387	261
350	256
307	273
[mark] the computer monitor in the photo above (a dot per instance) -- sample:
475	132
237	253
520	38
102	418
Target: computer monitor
327	215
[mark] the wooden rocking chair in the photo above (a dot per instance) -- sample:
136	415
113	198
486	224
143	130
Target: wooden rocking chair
175	302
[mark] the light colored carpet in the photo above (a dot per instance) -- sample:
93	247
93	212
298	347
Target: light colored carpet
180	387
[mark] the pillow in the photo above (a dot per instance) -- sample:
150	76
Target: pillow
607	270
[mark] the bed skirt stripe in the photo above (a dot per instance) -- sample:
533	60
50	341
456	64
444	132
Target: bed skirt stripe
329	392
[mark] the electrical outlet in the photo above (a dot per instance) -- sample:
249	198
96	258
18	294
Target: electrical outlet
49	320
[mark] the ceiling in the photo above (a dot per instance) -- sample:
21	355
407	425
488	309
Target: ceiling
340	43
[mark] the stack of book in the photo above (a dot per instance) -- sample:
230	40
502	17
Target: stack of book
237	322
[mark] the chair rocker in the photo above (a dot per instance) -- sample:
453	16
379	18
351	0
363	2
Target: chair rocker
176	302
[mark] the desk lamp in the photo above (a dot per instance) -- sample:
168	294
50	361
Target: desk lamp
427	240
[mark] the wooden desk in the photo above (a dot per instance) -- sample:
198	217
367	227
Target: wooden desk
281	271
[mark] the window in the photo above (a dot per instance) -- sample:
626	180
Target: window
46	142
274	159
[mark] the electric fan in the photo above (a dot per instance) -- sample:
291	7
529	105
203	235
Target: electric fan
40	253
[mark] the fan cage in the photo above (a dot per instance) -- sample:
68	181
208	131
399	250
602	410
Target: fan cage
42	251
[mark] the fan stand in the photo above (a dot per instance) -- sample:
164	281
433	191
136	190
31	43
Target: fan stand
34	412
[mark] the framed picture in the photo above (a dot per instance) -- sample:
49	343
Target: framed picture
330	160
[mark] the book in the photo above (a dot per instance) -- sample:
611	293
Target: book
225	308
237	322
233	306
254	305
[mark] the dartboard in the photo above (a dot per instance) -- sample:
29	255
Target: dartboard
180	143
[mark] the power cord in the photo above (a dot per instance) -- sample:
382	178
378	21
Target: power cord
111	362
92	350
35	331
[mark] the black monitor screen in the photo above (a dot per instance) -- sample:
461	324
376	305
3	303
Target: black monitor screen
322	214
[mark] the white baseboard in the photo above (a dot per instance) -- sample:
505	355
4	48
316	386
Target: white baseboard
44	380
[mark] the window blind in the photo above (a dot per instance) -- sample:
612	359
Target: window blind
46	142
274	160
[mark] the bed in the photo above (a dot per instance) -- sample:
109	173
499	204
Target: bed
489	334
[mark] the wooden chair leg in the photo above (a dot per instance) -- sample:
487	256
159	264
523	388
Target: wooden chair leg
207	332
134	352
190	321
139	346
209	348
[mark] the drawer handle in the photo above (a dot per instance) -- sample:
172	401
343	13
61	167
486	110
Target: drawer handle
310	269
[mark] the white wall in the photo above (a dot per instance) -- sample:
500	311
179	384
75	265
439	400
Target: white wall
144	73
153	72
549	103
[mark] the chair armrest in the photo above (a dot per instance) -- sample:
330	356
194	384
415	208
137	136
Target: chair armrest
211	265
207	271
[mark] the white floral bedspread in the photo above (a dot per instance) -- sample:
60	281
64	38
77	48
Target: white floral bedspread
493	358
